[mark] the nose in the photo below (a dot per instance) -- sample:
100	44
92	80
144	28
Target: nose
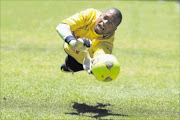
105	21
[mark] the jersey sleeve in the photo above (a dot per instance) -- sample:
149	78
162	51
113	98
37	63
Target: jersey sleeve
102	47
79	19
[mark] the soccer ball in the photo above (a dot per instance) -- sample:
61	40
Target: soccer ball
105	67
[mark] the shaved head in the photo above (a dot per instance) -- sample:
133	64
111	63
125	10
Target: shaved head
118	15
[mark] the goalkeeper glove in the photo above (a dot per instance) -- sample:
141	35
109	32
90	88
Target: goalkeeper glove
80	44
87	62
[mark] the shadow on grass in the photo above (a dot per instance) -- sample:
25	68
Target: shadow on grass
84	108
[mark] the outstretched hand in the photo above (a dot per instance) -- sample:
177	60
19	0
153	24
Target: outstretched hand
87	62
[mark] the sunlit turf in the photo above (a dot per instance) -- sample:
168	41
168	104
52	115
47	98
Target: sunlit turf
146	45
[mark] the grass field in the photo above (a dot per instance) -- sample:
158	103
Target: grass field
146	45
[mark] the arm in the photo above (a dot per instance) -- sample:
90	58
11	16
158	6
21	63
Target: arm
87	62
99	49
64	31
80	44
103	47
72	24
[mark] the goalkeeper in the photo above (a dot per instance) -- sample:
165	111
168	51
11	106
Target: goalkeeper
88	34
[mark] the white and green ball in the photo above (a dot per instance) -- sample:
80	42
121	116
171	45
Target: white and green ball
105	67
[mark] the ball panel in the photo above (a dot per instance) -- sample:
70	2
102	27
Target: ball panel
109	64
115	72
100	71
108	79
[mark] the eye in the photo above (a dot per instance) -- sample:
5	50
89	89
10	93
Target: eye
105	18
110	24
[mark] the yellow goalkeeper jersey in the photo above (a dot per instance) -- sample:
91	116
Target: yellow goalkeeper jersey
82	25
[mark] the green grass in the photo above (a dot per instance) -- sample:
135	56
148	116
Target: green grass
146	45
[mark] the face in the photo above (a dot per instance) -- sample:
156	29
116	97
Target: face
106	23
